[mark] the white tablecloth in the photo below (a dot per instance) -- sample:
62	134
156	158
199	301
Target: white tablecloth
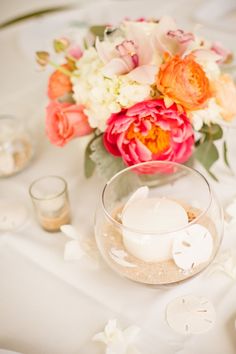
47	305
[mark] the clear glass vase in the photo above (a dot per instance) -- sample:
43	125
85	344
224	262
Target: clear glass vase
154	255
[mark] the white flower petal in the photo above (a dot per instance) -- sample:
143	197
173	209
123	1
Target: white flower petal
116	66
116	340
136	33
111	327
211	114
70	231
131	333
100	337
73	251
104	50
144	74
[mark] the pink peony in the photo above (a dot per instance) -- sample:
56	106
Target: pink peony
65	121
149	131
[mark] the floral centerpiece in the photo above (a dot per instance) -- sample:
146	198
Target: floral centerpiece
146	90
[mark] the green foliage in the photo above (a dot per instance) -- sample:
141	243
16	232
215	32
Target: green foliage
207	154
89	164
98	31
225	154
206	151
212	132
97	156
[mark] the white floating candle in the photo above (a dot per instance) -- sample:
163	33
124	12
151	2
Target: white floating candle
152	218
193	247
140	193
190	315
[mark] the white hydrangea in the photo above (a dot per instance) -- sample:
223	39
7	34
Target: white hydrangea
210	114
103	96
131	92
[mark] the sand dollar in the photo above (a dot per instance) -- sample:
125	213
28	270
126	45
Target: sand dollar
190	314
194	247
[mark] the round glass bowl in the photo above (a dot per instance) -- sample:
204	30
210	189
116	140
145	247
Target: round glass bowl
16	147
158	223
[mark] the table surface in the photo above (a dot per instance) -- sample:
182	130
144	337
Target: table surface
47	305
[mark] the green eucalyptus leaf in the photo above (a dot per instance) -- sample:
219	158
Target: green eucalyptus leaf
213	176
225	154
212	131
86	46
107	165
98	31
207	154
89	164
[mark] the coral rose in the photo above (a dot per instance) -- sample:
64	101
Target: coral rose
59	84
149	131
184	82
65	121
225	93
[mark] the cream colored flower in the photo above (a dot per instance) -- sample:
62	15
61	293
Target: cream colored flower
211	114
116	340
101	95
225	91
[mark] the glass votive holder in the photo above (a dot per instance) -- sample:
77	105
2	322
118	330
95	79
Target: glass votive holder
16	145
158	223
49	195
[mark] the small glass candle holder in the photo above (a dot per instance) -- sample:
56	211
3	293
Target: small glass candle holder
50	198
16	145
158	223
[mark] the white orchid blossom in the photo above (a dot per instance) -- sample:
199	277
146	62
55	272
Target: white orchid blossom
73	248
118	341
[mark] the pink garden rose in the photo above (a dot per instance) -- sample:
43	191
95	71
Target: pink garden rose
65	121
149	131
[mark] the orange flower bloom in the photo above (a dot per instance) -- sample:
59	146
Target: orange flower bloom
184	82
59	84
225	93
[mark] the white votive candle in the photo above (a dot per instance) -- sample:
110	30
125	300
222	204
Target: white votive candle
152	218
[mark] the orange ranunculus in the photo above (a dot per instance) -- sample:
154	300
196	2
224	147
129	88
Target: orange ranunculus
184	82
224	90
59	84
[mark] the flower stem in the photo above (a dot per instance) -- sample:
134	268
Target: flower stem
62	69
